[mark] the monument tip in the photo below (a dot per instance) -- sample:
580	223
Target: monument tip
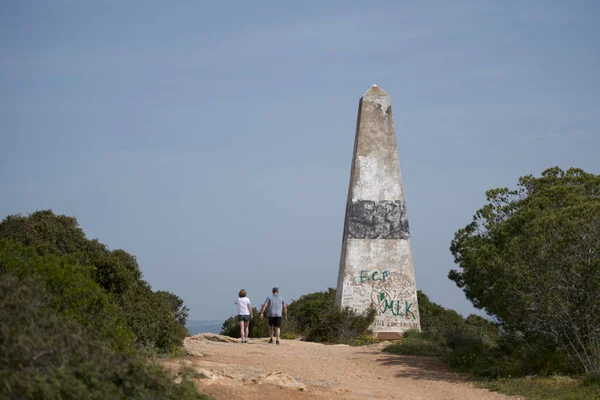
376	91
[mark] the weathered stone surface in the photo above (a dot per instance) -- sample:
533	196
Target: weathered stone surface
368	219
214	338
376	264
281	379
197	345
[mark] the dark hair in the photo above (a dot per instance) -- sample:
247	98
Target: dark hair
275	289
242	293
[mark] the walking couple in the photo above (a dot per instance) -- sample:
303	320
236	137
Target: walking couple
276	311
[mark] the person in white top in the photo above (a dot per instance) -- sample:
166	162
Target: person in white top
244	314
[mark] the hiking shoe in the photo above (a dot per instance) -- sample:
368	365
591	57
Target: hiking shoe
271	341
277	343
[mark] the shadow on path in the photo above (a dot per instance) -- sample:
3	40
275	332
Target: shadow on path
428	368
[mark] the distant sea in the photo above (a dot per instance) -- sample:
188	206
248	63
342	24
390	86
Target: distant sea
195	327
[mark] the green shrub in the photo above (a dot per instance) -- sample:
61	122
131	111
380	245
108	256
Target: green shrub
178	308
157	319
415	343
288	336
72	291
364	340
307	311
484	329
46	232
511	356
592	379
151	318
256	329
231	327
460	339
49	355
529	258
556	387
436	319
477	346
341	325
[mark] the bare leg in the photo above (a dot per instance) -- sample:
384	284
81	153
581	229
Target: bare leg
246	329
242	331
278	329
271	332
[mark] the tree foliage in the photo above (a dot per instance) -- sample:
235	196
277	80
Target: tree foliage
256	328
478	346
157	319
151	317
341	325
46	232
307	311
72	292
48	354
178	308
435	318
531	257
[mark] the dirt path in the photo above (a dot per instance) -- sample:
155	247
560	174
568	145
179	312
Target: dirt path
227	369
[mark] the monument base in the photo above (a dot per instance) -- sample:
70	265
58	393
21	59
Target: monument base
387	335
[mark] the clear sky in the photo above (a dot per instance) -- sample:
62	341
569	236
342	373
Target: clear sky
213	140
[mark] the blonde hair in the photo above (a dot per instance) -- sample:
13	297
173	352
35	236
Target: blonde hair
242	293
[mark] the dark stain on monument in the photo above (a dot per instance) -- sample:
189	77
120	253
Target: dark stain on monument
370	219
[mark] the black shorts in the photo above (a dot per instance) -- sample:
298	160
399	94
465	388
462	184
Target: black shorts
245	318
275	321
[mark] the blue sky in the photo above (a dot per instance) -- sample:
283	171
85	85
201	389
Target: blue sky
213	140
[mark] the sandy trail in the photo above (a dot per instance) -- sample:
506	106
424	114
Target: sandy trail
227	369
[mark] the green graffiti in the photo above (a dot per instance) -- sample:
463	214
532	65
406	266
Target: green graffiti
395	307
388	304
367	276
407	307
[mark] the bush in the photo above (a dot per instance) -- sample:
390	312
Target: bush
341	325
256	328
529	257
477	346
157	319
554	387
46	232
307	311
435	319
288	336
151	318
47	354
72	292
415	343
464	351
364	340
592	379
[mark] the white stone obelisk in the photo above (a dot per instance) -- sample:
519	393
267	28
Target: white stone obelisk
376	265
